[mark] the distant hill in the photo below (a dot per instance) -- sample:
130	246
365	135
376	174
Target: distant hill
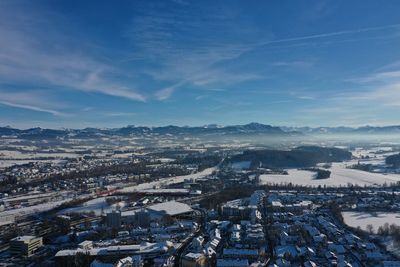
207	131
303	156
366	130
252	129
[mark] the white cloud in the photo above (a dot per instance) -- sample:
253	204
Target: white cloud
166	93
30	107
306	97
202	61
119	114
200	97
293	64
384	77
388	95
184	54
365	103
95	83
31	101
32	50
329	34
380	88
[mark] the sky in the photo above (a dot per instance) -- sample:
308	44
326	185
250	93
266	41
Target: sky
76	64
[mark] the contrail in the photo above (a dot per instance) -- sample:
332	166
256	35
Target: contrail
330	34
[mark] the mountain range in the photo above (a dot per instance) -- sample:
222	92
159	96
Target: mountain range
207	130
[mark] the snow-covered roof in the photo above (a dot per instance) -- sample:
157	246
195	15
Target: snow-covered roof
280	251
232	263
171	208
165	191
234	251
193	255
144	248
24	238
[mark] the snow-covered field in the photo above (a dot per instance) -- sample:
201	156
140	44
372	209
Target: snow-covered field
376	155
12	162
35	209
8	154
122	156
362	219
340	176
96	205
240	165
166	181
9	158
36	196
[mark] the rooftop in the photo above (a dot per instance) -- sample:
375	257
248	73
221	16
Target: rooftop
171	208
24	238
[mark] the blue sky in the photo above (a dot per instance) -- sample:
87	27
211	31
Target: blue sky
113	63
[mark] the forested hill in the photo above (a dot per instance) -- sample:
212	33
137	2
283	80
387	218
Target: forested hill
393	160
303	156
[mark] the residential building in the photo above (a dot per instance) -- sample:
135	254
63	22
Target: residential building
25	245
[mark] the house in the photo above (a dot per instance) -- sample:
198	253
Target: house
288	251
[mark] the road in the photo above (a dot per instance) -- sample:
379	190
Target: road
201	216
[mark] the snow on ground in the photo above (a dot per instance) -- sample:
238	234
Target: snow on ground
166	181
362	219
10	154
35	209
376	155
340	176
96	205
240	165
35	196
122	156
362	152
12	162
166	160
391	246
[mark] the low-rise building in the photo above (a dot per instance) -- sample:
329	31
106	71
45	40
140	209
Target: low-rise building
232	263
194	260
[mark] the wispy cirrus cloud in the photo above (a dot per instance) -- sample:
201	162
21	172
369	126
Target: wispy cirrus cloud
331	34
165	93
119	114
383	77
381	86
186	58
31	101
186	55
376	96
293	64
225	55
32	50
30	107
366	99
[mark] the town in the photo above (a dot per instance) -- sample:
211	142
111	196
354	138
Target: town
196	209
182	133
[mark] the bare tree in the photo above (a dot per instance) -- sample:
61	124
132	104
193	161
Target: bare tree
370	228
